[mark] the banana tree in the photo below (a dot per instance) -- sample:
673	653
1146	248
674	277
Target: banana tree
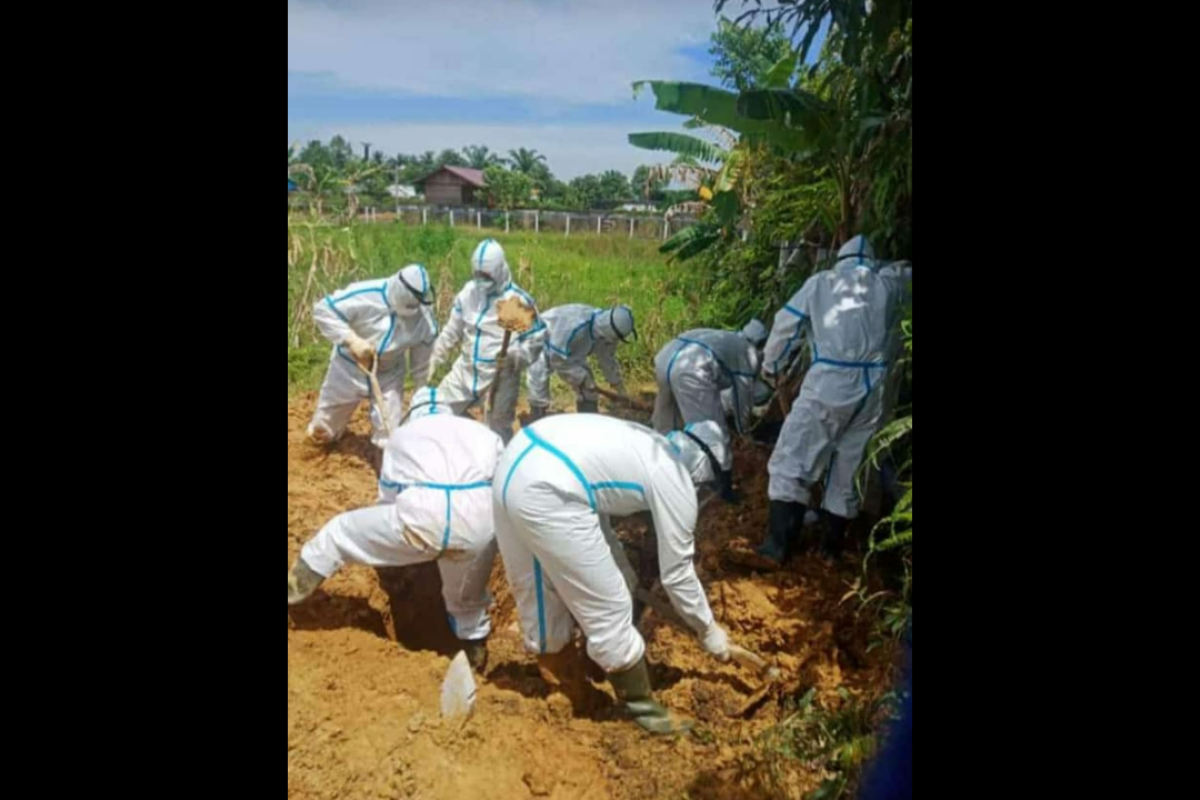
838	130
717	170
850	116
351	181
316	182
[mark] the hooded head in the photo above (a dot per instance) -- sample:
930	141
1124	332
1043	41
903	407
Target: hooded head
489	268
425	404
616	325
698	446
410	291
755	333
857	253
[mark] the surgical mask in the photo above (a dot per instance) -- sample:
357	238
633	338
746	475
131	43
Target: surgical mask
483	280
407	311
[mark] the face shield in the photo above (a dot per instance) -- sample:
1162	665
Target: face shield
415	292
621	321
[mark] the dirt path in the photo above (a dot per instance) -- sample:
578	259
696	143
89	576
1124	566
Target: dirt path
366	657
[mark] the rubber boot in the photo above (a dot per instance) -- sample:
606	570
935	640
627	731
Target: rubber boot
783	531
477	653
320	437
833	536
302	582
633	691
639	608
587	406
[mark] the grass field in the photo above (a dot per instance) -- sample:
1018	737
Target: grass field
598	270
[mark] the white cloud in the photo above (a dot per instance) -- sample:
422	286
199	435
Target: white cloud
566	50
570	150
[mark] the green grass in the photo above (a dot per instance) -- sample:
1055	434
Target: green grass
585	268
836	743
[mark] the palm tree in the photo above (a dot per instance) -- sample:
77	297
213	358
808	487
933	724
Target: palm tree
480	157
526	161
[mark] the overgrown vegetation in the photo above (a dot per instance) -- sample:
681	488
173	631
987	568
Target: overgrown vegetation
813	151
599	270
336	181
831	742
822	151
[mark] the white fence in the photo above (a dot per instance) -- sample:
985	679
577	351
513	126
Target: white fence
550	222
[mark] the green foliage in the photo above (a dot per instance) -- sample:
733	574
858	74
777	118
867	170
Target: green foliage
894	442
523	160
647	185
744	56
820	158
583	192
585	268
480	157
834	741
692	241
681	144
334	181
509	189
614	189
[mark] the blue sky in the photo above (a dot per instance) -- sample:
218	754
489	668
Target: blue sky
554	75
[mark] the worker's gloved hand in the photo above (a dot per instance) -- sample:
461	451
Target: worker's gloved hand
716	642
360	350
770	379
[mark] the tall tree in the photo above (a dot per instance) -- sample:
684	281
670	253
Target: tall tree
508	188
614	189
525	161
478	156
450	158
744	56
584	192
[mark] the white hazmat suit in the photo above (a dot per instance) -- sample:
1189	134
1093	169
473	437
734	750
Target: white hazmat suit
556	485
386	319
851	316
435	505
696	367
474	325
573	333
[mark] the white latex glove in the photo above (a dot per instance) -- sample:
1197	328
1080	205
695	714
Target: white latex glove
360	350
716	642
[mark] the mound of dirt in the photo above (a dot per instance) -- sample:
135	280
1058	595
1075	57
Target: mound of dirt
367	654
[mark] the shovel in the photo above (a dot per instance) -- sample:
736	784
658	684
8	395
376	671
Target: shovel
377	393
629	401
514	317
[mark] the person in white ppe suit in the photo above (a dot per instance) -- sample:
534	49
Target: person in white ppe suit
435	504
556	486
693	370
380	319
762	396
850	315
474	327
573	333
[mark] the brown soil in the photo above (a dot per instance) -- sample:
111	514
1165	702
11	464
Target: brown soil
367	654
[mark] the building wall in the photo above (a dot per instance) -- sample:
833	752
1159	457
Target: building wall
443	194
